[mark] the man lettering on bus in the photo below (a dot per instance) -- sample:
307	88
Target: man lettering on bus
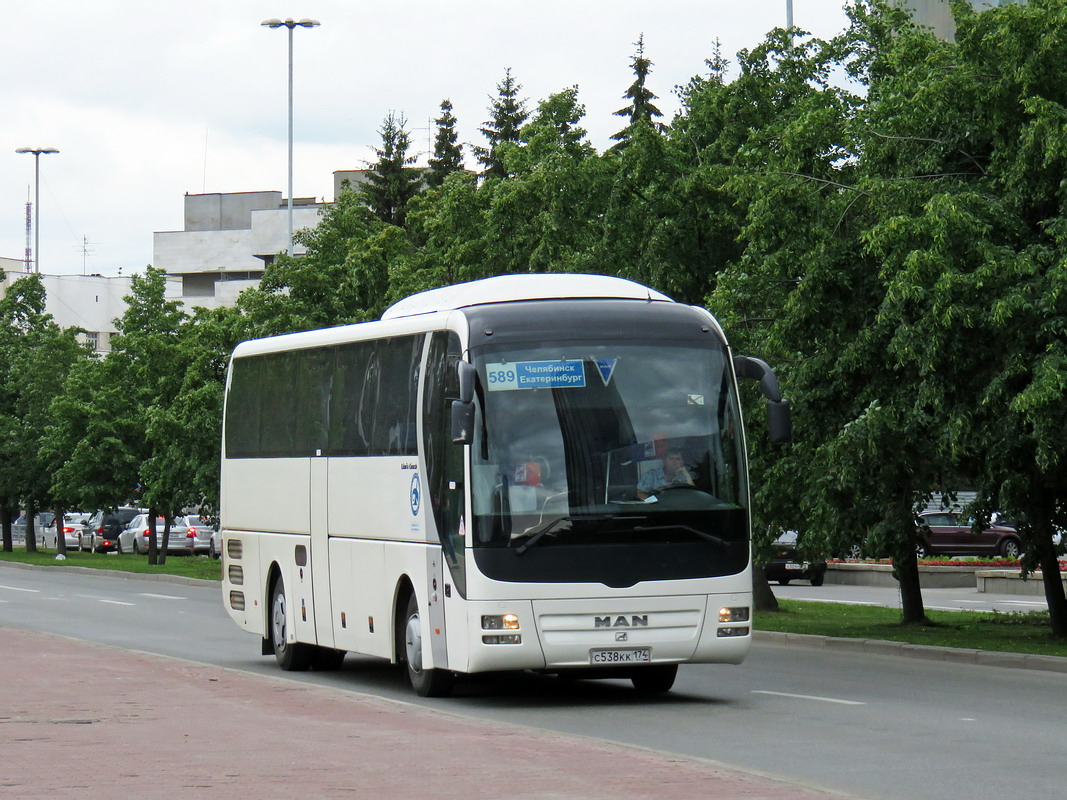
672	473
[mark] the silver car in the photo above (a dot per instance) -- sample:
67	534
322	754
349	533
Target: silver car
73	525
134	539
202	531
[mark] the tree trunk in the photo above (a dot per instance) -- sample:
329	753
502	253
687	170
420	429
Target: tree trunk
1054	594
906	571
5	526
61	537
31	533
153	549
1039	512
762	597
166	540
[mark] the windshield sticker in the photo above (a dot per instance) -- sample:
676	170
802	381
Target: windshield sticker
535	375
696	399
606	368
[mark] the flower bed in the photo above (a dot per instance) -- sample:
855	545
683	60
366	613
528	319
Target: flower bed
967	562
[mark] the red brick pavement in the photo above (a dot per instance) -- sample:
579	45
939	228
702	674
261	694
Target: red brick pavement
85	721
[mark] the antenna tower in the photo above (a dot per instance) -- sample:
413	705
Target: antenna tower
85	251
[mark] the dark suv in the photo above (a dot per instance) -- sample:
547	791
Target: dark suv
102	531
947	533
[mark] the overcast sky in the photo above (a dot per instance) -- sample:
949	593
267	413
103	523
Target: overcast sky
148	101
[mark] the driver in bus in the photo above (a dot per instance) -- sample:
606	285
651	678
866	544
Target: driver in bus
672	473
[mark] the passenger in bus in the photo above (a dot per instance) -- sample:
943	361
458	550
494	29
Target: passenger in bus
672	473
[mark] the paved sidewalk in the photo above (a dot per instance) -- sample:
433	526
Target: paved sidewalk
85	721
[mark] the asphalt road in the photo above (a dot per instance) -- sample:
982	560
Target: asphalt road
864	725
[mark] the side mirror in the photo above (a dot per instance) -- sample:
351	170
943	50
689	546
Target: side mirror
780	422
463	408
779	418
466	374
462	422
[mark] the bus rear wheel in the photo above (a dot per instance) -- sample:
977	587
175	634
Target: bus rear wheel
425	682
656	678
292	656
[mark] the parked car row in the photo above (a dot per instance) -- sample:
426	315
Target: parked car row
123	530
188	534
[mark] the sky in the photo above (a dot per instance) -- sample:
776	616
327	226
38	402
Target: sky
149	101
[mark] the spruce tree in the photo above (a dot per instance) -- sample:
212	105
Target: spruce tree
391	182
447	154
508	113
641	109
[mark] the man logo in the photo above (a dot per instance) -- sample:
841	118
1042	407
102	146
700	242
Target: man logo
635	621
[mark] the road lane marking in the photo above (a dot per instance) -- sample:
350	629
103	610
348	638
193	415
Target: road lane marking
811	697
1023	603
118	603
20	589
161	596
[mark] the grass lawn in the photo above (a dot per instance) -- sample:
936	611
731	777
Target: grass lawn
187	566
972	630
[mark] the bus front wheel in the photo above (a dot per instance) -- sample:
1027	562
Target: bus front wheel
425	682
655	678
292	656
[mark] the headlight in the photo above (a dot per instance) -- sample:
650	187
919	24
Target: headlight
735	614
497	622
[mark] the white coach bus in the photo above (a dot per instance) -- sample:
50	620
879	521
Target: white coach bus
528	472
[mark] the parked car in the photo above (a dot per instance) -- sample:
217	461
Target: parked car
40	522
786	564
215	545
948	533
101	534
134	539
73	525
201	530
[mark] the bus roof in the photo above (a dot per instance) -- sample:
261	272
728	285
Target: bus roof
514	288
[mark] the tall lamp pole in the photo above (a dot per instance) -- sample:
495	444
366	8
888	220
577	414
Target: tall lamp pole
290	24
37	151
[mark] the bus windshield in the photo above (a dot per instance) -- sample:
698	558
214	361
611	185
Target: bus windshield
587	442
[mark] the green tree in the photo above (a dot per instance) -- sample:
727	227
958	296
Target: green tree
447	152
641	110
507	113
391	181
976	269
37	358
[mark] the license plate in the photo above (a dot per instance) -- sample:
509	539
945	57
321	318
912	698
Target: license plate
632	656
794	565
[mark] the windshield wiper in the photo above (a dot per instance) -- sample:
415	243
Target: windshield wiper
535	537
711	537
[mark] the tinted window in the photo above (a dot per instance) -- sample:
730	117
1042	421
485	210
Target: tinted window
356	399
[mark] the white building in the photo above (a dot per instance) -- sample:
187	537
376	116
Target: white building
89	302
937	14
228	240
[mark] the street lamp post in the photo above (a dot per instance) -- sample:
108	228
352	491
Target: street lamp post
37	151
290	24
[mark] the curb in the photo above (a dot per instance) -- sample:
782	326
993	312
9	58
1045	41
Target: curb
118	574
955	655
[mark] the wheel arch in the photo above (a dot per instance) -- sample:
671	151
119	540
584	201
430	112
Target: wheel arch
274	574
405	588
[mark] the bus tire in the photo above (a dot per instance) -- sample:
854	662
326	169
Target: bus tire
292	656
656	678
425	682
